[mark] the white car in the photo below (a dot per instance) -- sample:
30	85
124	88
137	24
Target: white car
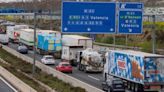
48	59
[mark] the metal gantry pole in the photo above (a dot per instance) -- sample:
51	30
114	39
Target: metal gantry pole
126	40
34	48
153	35
51	16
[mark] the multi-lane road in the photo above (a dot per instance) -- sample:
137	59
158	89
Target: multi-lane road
5	86
93	79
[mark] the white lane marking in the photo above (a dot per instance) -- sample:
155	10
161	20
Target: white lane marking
94	78
8	84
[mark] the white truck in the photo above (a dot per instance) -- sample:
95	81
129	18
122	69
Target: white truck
4	39
141	71
89	61
77	40
69	53
14	32
27	37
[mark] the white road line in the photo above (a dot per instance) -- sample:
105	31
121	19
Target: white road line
8	84
94	78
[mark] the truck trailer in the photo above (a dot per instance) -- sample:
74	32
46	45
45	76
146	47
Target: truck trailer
27	37
77	40
13	32
141	71
4	39
48	43
69	53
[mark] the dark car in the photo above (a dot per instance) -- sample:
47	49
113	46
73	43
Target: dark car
116	85
22	49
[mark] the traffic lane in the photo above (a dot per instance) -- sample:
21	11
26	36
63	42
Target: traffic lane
93	79
4	87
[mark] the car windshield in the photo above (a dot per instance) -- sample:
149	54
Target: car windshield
23	47
117	82
65	64
49	57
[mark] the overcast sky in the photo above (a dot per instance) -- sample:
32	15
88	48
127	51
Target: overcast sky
7	0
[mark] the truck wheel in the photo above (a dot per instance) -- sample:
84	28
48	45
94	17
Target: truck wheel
85	70
79	67
136	88
109	90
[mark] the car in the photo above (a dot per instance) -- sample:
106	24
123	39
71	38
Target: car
48	59
22	49
115	85
64	67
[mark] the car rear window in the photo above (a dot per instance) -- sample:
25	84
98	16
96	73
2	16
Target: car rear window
65	64
117	82
49	57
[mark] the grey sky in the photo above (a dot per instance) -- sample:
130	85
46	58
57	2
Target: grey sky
7	0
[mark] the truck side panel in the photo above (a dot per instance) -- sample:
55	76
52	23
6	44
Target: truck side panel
86	43
154	68
48	43
126	66
65	53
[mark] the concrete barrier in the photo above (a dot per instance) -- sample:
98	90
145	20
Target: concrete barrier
20	85
73	81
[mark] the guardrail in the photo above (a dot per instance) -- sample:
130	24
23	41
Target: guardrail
20	85
115	46
68	79
160	51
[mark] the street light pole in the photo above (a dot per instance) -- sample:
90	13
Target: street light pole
153	35
34	48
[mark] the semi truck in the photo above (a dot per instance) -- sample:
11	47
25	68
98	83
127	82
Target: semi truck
4	39
14	32
27	37
141	71
48	43
77	40
89	61
69	53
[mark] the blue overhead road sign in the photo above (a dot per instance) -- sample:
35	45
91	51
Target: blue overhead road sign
130	18
88	17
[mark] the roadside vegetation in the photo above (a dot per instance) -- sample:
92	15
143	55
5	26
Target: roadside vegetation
143	40
18	67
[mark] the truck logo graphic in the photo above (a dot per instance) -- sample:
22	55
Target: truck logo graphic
121	64
136	70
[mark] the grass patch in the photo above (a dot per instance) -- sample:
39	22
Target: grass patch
25	67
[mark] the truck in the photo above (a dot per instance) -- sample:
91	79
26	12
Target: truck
48	43
77	40
27	37
4	39
14	32
139	70
69	53
89	61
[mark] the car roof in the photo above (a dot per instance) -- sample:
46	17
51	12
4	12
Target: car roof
47	56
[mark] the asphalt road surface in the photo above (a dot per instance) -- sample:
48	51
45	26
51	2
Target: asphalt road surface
93	79
6	87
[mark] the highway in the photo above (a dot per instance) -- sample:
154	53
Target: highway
93	79
6	87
